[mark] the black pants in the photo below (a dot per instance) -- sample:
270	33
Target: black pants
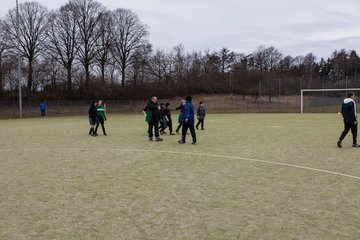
201	121
161	128
151	126
178	128
187	126
101	121
169	124
353	128
92	121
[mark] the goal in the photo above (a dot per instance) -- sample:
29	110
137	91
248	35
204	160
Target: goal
324	100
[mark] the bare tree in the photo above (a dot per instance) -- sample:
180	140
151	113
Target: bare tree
129	34
158	66
309	63
240	74
210	71
83	40
140	64
3	51
46	74
258	59
88	15
273	58
226	59
62	39
179	62
207	64
354	61
286	64
195	68
32	29
104	44
267	59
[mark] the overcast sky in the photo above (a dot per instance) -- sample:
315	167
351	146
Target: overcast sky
295	27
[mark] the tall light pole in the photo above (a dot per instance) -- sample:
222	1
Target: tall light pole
18	57
279	89
230	83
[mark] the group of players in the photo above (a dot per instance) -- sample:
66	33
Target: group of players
158	117
97	116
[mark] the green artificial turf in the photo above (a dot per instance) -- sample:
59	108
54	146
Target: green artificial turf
57	182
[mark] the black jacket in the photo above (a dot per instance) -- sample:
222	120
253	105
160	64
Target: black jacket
348	110
155	114
92	112
201	112
167	112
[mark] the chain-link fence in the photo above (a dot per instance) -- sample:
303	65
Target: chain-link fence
236	104
213	104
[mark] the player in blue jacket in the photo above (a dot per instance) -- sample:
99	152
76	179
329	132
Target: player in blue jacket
42	109
188	121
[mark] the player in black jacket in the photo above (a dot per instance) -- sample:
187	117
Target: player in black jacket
200	116
167	115
348	111
154	117
92	117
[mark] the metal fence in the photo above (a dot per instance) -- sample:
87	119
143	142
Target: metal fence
215	104
10	109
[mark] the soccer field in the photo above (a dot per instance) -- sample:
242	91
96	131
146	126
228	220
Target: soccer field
251	176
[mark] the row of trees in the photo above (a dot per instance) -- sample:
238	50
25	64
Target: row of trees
83	50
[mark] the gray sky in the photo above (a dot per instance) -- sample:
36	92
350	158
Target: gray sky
295	27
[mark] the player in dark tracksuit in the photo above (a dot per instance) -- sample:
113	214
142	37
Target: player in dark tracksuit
188	121
348	111
92	117
167	114
200	116
153	110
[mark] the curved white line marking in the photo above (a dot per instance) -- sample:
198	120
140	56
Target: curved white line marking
193	154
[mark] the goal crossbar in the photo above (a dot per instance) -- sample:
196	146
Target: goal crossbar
322	90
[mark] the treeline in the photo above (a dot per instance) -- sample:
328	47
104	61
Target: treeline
85	51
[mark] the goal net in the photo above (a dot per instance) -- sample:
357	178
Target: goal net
325	100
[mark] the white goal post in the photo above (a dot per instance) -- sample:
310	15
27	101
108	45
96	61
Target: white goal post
322	90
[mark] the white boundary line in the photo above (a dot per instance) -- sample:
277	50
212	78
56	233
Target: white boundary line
192	154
